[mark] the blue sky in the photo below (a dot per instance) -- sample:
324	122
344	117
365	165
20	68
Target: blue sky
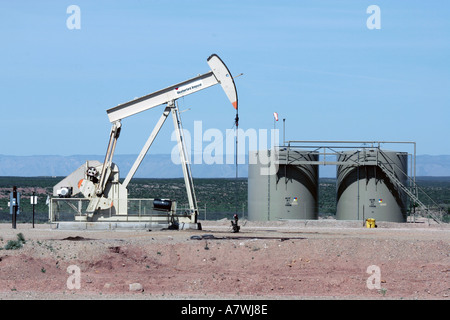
314	62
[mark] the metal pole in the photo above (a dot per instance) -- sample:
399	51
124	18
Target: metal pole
268	189
33	207
415	168
415	185
14	207
357	178
236	121
274	130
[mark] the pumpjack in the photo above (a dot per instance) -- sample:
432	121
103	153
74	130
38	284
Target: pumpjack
99	182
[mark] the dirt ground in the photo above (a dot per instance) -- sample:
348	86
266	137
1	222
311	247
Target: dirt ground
324	259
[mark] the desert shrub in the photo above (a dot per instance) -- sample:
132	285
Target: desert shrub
15	244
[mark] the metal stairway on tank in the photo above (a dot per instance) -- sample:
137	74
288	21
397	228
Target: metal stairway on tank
411	195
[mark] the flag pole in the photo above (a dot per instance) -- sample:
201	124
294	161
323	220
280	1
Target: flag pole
275	119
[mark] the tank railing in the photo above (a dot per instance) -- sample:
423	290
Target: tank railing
361	161
356	144
353	144
284	159
348	157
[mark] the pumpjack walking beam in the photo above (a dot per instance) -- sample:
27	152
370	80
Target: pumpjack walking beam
219	74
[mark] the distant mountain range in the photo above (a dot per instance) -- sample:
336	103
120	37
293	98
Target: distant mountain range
153	166
161	166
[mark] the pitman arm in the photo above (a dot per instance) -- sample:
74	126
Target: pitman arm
115	132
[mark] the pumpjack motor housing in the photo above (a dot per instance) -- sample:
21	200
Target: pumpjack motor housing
64	192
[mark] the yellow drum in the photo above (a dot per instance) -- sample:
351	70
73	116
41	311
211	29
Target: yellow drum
370	223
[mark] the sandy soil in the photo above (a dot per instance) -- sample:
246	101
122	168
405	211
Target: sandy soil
323	259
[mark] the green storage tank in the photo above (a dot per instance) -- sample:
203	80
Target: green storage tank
364	188
282	185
